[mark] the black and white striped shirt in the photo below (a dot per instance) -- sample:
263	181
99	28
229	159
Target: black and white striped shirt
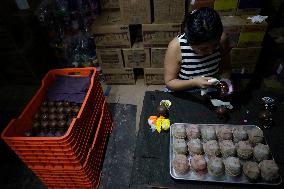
194	65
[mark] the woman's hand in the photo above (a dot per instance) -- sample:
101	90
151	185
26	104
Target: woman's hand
202	82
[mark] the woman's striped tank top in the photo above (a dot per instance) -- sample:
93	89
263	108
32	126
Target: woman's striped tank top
194	65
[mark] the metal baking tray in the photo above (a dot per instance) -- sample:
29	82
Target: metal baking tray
206	177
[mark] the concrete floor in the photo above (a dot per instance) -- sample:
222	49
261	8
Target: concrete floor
131	94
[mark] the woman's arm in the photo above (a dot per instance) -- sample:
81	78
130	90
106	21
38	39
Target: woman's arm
172	68
225	64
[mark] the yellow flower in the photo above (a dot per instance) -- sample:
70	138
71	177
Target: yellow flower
166	124
159	124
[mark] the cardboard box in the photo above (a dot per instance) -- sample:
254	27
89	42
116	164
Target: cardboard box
135	11
200	3
159	35
158	57
154	76
226	7
244	60
248	11
252	34
245	56
109	4
109	31
229	12
137	56
166	11
232	27
225	4
119	76
110	58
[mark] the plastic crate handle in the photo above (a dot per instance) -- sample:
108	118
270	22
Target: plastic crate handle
79	72
100	125
97	132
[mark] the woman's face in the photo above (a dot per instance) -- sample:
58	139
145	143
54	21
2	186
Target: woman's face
206	47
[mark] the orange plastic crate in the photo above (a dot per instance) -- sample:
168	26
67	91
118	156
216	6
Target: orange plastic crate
68	181
64	159
78	145
97	146
13	134
79	153
89	175
64	186
78	132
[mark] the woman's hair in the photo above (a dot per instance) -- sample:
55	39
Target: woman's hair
203	25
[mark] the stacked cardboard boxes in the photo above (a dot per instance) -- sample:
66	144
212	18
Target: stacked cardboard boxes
232	27
111	36
251	34
166	11
226	7
154	76
157	57
159	35
230	7
136	36
110	31
244	60
122	49
246	40
137	56
110	58
119	76
135	11
109	4
168	16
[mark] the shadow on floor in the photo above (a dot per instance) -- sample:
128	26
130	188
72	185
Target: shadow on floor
13	173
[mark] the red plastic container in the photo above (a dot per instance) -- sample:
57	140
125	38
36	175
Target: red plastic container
89	174
75	159
76	155
13	134
65	160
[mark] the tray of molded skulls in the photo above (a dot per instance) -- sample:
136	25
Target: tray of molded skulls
221	153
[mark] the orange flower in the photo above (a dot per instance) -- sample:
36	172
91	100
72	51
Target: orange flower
154	119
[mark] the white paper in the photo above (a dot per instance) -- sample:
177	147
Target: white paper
217	103
213	81
257	19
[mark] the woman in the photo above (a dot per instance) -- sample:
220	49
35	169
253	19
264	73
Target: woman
198	54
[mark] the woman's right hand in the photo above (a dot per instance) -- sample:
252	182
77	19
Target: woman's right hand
202	82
